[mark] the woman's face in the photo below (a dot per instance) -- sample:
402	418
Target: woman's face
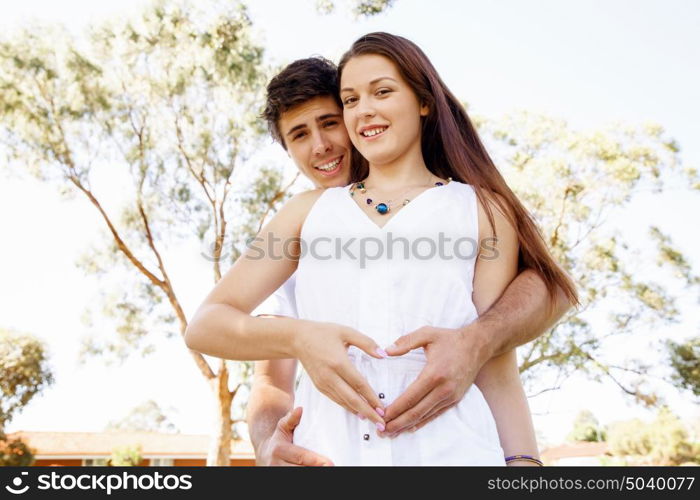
381	111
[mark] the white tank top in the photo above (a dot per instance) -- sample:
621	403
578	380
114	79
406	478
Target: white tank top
386	282
417	270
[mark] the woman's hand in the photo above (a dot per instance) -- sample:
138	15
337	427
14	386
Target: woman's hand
322	348
453	360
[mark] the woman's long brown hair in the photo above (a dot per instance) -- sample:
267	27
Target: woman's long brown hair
451	148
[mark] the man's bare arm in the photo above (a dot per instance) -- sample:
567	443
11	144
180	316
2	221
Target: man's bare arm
271	419
271	397
520	315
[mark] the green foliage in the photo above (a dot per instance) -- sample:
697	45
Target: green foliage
168	104
127	456
672	258
264	196
148	417
573	181
359	8
24	372
663	441
14	452
685	361
586	428
166	107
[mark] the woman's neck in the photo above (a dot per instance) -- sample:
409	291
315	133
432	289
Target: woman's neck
403	172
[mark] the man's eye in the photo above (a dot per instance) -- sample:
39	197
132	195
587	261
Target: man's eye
330	123
298	135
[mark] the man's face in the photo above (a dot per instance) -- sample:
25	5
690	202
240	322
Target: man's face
317	141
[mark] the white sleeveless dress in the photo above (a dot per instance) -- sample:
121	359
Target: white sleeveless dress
412	283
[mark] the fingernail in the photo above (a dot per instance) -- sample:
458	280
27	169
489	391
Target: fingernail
362	417
414	429
381	352
380	411
380	427
392	346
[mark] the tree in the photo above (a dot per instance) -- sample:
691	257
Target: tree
24	373
168	105
146	417
572	181
359	8
586	428
14	452
127	456
685	361
663	441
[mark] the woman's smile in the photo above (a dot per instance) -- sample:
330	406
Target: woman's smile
372	132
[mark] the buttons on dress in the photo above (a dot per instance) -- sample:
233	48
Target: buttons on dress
366	437
381	395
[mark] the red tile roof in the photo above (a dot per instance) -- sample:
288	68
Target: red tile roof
571	450
102	443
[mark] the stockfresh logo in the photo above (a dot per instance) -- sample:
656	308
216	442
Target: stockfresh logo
17	488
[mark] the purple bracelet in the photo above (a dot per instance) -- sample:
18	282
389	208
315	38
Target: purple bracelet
528	458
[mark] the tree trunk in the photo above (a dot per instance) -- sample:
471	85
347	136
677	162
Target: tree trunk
220	449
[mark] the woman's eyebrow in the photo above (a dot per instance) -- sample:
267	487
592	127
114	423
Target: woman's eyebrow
371	83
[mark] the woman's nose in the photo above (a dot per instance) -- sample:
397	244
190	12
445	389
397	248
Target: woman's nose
365	110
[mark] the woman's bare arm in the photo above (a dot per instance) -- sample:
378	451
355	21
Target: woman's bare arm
499	379
223	326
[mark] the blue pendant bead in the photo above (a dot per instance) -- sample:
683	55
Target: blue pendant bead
384	208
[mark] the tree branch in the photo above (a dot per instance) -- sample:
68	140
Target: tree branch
278	195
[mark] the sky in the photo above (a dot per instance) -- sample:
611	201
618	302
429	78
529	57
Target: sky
588	62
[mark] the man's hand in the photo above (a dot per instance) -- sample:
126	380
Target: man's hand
279	450
322	348
454	358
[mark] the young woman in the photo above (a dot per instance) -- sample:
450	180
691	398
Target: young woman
428	236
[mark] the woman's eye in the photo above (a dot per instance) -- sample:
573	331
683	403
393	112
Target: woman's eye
383	91
349	100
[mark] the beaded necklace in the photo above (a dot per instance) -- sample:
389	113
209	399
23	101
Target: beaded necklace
384	207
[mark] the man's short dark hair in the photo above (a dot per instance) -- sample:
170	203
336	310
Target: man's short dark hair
299	82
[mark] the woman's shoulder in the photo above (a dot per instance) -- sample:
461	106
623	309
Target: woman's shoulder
486	200
296	208
300	204
305	198
310	196
461	188
491	198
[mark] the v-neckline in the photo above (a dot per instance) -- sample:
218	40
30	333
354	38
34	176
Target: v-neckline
398	214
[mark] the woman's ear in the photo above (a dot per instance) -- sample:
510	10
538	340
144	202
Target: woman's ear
424	109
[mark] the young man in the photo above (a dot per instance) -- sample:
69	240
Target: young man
305	116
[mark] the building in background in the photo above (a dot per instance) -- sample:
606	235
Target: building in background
580	453
157	449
